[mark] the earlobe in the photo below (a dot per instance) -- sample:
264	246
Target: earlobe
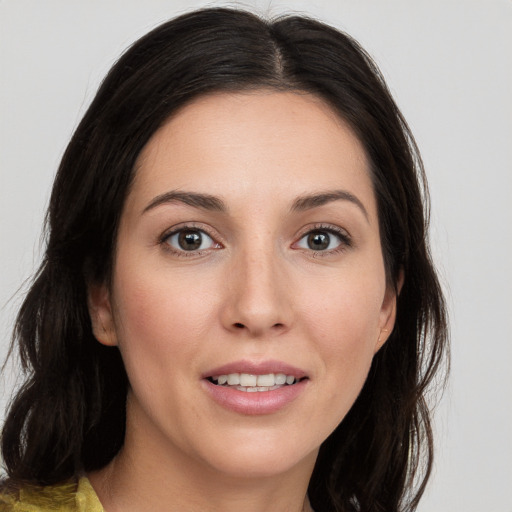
100	312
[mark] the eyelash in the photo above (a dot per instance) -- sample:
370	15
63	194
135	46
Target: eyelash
341	234
183	253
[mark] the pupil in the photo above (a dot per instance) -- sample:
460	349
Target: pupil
189	240
318	241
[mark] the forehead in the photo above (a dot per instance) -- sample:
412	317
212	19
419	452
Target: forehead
253	143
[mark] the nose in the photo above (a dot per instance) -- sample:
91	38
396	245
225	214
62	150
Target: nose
258	296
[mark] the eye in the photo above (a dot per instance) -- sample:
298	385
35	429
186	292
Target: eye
323	240
190	239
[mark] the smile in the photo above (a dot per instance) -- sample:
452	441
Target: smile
254	383
255	388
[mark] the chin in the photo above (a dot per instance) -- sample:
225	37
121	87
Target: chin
260	459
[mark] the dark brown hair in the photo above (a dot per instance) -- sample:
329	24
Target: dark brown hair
69	415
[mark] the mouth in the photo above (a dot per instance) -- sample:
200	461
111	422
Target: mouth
255	387
254	383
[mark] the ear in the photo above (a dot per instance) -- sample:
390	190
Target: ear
100	311
388	312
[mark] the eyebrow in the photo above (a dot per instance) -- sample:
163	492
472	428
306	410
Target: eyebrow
213	203
203	201
315	200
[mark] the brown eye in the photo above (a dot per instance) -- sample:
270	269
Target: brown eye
318	241
190	240
326	240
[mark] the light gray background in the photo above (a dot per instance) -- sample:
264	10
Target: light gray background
447	62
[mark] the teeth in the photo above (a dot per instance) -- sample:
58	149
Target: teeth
266	380
234	379
280	378
247	380
251	383
257	388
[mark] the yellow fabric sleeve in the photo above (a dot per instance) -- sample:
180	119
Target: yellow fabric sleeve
66	497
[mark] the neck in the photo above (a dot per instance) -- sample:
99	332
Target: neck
130	487
156	475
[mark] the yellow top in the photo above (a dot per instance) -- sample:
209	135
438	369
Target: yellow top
70	496
66	497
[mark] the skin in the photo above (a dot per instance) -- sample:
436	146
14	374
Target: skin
256	291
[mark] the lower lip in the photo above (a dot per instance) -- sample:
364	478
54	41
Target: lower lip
254	403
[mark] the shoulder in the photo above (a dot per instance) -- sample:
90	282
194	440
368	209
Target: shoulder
71	496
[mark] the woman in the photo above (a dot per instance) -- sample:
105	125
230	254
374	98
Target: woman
237	306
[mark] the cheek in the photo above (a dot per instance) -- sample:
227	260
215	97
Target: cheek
347	310
158	320
343	320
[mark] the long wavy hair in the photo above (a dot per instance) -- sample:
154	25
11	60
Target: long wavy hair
69	415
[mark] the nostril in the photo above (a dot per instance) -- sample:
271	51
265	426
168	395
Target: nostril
238	325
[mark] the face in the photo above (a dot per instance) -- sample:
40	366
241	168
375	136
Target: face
249	294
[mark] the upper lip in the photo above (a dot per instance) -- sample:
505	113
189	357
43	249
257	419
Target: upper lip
256	368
